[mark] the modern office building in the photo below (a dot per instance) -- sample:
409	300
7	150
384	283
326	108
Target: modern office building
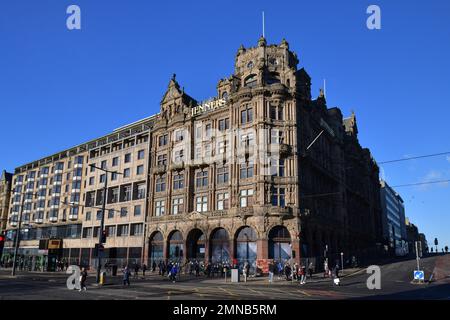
258	172
393	217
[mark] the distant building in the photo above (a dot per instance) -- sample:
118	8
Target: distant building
5	193
393	220
412	235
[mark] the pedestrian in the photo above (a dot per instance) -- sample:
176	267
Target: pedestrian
83	278
336	270
303	275
126	276
197	269
244	271
173	272
311	269
271	271
153	266
287	271
136	271
280	270
325	269
144	268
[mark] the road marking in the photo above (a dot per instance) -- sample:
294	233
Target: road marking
228	291
258	292
168	294
304	292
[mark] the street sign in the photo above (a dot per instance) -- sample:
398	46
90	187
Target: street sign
419	275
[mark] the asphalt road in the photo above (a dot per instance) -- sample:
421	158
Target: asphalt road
395	284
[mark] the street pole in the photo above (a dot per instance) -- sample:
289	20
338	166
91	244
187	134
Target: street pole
417	257
102	224
17	238
342	262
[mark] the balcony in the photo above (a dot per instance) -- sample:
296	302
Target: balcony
279	211
53	219
177	166
160	169
73	217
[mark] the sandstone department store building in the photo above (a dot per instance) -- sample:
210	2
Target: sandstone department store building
228	179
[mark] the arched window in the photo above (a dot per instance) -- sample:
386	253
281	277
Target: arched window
225	95
156	248
279	244
220	246
273	78
246	247
176	246
250	81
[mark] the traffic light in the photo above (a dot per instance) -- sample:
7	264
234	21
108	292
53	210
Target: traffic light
104	236
2	243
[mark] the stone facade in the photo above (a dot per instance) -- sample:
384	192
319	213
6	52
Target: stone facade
257	173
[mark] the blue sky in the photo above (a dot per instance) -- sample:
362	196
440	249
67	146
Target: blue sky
59	88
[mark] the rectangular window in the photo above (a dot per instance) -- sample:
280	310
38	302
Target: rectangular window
202	204
178	181
114	195
247	115
115	161
127	173
224	124
208	131
246	198
162	160
128	158
136	229
179	156
278	197
137	210
92	167
201	178
223	202
103	164
110	214
140	170
113	176
91	181
123	212
177	205
160	208
88	216
111	230
162	140
277	167
102	178
276	136
179	135
222	175
122	230
141	154
127	193
87	232
222	147
99	215
246	171
161	183
140	191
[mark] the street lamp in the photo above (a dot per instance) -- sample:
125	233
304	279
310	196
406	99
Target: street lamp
102	223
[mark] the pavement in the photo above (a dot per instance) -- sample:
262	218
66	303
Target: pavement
396	284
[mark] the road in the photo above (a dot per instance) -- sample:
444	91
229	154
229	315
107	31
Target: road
395	284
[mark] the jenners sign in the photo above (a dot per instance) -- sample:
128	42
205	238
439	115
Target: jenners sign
208	106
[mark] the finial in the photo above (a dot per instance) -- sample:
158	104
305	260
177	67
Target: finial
174	76
262	42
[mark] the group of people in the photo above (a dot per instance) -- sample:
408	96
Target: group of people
290	272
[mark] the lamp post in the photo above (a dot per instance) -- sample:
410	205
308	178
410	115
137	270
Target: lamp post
102	223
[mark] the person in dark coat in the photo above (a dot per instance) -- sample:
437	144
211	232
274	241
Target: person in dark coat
126	276
83	278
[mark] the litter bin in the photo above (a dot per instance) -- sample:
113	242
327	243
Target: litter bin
234	275
114	270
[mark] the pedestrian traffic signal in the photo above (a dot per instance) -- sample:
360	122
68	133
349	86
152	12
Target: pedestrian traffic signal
2	243
104	236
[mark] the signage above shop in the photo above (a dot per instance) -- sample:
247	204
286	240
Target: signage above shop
207	106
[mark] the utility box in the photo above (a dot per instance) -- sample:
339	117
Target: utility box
234	275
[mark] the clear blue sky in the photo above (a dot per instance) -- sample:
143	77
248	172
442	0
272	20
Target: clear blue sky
59	88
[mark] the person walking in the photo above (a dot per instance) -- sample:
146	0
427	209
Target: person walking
311	270
271	271
303	275
197	269
144	268
83	278
326	271
136	271
153	266
126	276
173	272
244	271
